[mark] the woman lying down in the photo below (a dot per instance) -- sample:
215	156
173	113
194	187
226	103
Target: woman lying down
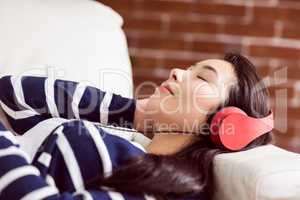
78	159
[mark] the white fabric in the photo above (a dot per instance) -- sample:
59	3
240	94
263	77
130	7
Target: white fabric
41	193
263	173
104	107
79	40
30	141
70	159
45	159
101	147
49	93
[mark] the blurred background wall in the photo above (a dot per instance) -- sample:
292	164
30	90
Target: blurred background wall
163	34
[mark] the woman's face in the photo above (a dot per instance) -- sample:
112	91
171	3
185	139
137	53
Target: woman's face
182	102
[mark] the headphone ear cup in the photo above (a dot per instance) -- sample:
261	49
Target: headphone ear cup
218	119
237	130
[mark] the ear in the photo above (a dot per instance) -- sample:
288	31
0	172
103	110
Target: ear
238	130
217	121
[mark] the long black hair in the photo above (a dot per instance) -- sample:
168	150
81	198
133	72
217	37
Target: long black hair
189	172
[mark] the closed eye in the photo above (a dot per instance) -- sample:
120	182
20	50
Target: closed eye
201	78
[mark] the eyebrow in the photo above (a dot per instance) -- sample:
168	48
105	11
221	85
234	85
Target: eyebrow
211	69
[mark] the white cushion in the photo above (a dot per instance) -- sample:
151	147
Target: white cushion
263	173
80	40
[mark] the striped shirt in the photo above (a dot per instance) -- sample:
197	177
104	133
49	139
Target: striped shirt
68	149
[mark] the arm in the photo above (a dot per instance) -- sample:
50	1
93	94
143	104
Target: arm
27	101
20	180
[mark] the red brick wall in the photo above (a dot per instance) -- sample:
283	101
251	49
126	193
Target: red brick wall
163	34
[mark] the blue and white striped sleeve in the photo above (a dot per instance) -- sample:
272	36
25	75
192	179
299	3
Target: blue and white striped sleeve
27	101
20	180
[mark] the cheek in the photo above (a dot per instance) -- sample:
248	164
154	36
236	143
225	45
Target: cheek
205	97
204	90
161	105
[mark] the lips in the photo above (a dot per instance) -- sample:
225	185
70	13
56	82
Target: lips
166	88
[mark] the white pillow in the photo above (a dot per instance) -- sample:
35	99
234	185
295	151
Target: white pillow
263	173
77	38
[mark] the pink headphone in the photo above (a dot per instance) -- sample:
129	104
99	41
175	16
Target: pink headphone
234	129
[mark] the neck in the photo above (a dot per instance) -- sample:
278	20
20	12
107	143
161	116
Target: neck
169	143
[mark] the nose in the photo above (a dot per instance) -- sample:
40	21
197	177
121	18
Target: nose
176	74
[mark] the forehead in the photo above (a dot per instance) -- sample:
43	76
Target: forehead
224	69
